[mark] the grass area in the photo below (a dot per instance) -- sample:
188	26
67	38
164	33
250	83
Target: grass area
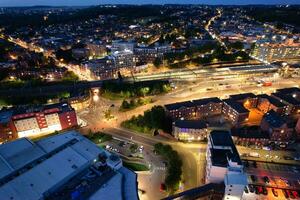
135	166
124	90
99	137
137	128
112	96
134	103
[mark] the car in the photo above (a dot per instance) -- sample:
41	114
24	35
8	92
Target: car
256	189
254	164
295	193
253	178
264	191
251	188
285	193
162	187
247	164
288	158
292	196
275	193
141	191
266	179
246	189
259	189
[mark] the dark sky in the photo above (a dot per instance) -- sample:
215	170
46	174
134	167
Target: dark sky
96	2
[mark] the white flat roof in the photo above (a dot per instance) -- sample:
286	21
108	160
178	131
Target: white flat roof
16	154
51	172
111	190
38	180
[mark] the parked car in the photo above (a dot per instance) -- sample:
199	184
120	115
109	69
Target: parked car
254	164
292	196
265	191
285	193
288	158
275	193
266	179
246	189
253	178
295	193
256	189
251	188
162	187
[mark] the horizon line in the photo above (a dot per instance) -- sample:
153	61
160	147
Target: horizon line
155	4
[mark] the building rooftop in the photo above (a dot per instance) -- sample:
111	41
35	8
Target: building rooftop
219	157
222	144
194	124
287	98
176	106
274	119
16	154
49	108
36	170
236	106
272	100
205	101
243	96
290	91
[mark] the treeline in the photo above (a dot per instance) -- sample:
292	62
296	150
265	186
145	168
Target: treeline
128	13
279	15
153	119
31	100
189	57
174	166
113	89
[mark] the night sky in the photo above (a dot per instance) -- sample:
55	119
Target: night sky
97	2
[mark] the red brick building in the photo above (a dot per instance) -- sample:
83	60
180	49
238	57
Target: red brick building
32	121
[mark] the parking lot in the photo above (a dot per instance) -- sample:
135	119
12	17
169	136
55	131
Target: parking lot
271	181
266	193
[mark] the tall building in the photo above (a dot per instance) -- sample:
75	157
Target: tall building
64	166
224	165
270	52
30	121
119	45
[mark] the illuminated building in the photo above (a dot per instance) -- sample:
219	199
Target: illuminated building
195	109
208	107
191	130
35	121
248	100
235	112
276	126
224	165
266	103
271	52
149	54
185	110
291	98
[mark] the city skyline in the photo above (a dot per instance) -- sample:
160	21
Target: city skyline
134	101
20	3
